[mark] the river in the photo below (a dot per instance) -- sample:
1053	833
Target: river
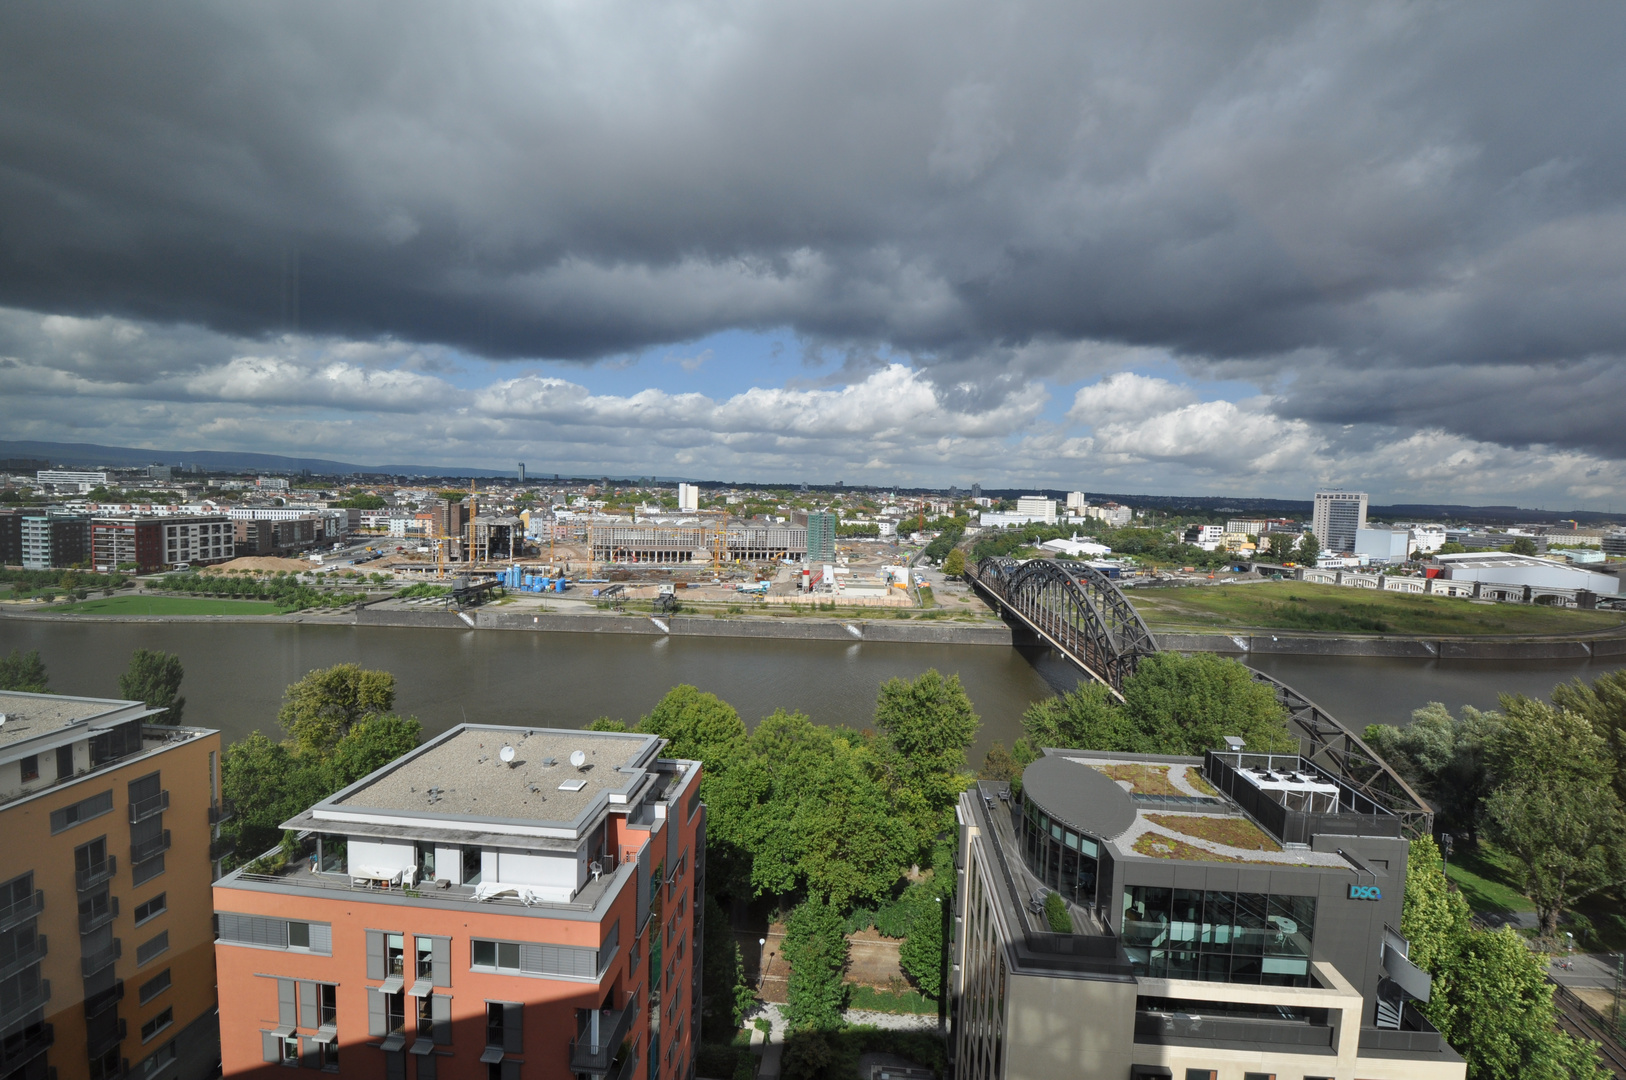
236	672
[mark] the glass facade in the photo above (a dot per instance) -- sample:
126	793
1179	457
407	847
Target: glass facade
1064	860
1219	936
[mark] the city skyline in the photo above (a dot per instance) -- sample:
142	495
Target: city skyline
1257	251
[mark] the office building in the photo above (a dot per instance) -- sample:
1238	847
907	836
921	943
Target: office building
77	480
522	472
500	903
1244	925
1037	507
1383	544
1077	503
688	498
205	538
275	537
976	491
106	953
821	536
1338	517
1247	526
50	540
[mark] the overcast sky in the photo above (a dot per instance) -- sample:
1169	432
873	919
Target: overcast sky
1201	248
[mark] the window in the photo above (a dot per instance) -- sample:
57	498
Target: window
394	953
31	767
395	1011
471	866
330	1056
158	1058
107	1066
327	1005
155	986
533	958
93	907
64	762
83	810
152	908
17	893
92	857
290	1051
1202	1074
1219	936
17	943
299	935
267	933
156	1024
426	1014
154	946
144	871
504	1025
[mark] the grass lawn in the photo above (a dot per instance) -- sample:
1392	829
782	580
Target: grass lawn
1489	880
169	605
1294	605
872	999
1232	832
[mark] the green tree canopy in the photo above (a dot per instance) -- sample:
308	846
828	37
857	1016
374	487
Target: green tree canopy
155	677
1309	549
925	726
954	565
1554	806
697	725
1522	546
1084	717
1281	547
815	946
319	709
1443	758
369	744
1604	705
727	992
1188	704
23	672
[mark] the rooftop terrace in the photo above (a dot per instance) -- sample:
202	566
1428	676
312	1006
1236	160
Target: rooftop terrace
29	716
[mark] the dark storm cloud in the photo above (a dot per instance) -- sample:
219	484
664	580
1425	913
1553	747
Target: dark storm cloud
1388	210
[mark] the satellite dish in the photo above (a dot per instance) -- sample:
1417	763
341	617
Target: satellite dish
507	754
578	758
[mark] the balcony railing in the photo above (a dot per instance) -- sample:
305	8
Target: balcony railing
31	955
1155	1027
30	1047
90	920
99	1002
91	963
222	846
25	1003
100	1042
90	877
143	809
218	812
19	910
142	850
590	1055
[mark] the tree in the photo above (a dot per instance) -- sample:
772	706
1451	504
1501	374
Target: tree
728	993
954	565
23	672
1522	546
370	744
604	723
1554	806
1444	758
265	786
319	709
1309	549
925	727
697	725
1188	704
1604	705
815	946
1085	718
1451	548
155	677
1000	764
1490	998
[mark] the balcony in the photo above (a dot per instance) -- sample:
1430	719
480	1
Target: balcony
1160	1027
146	808
26	1002
590	1054
90	920
219	812
100	1038
91	963
220	847
31	955
23	909
14	1055
99	1002
143	850
93	876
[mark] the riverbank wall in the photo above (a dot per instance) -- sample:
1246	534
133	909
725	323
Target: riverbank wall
1395	648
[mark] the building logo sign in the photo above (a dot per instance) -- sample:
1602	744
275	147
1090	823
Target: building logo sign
1365	892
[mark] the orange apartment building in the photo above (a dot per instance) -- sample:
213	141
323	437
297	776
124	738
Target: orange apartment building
500	904
106	951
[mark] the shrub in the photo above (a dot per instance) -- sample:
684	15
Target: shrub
1055	913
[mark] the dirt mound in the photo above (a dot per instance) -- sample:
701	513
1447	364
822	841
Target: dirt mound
262	564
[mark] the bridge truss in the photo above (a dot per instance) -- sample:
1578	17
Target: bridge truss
1077	610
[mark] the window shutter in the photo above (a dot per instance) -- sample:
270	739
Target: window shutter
285	1004
441	955
307	1005
513	1019
377	1019
426	1067
510	1070
270	1046
322	938
310	1057
395	1065
375	954
441	1014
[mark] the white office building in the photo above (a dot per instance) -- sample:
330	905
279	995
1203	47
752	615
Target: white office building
1076	502
688	498
1038	507
1382	544
1339	517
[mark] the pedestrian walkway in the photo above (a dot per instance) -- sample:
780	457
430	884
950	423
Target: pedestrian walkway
772	1046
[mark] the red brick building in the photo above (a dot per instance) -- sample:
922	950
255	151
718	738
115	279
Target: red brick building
116	542
500	904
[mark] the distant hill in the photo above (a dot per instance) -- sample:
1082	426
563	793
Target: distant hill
91	454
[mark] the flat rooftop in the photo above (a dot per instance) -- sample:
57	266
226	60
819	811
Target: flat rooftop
463	775
1155	808
28	716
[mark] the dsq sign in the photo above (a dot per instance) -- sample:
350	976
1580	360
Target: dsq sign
1365	892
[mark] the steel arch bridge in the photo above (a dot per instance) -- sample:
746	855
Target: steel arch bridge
1077	610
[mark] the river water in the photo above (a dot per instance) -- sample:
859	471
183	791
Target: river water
236	672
